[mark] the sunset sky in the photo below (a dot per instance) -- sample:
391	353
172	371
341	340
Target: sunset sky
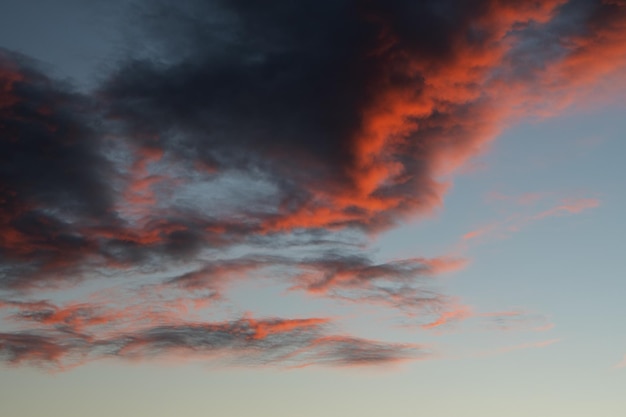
312	208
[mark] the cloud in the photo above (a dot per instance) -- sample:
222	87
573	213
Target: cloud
266	342
24	347
406	285
52	172
512	348
293	343
517	320
359	120
455	313
350	351
574	207
91	315
316	119
514	223
61	337
358	272
216	275
245	139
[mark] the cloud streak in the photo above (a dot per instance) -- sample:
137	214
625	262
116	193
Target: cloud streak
247	341
516	222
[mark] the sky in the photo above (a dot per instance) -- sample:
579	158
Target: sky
340	208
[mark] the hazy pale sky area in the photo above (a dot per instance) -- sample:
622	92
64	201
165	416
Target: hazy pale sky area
343	208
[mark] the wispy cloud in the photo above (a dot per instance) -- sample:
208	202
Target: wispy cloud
456	313
569	207
523	346
516	222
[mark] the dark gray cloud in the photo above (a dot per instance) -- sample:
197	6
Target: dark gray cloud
53	174
352	110
344	113
293	129
268	342
33	348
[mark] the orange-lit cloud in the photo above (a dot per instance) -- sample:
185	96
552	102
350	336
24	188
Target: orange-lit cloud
267	342
456	314
514	223
272	153
453	313
411	110
574	207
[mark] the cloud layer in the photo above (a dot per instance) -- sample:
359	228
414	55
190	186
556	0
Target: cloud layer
249	141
